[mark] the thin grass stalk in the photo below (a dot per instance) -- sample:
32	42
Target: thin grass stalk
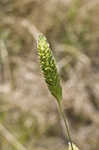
68	136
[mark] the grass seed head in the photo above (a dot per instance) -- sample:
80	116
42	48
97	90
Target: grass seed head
49	68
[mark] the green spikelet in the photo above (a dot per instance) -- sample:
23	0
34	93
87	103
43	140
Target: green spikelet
48	67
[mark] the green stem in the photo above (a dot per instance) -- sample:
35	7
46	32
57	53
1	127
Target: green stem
66	124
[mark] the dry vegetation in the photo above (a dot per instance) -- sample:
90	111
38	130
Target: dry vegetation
28	115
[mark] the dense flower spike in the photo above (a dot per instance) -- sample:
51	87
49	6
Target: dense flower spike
48	67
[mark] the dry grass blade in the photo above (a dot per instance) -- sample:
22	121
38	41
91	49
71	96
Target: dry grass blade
10	138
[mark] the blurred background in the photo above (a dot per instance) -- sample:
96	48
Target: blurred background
29	119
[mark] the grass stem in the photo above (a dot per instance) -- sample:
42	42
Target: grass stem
66	125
